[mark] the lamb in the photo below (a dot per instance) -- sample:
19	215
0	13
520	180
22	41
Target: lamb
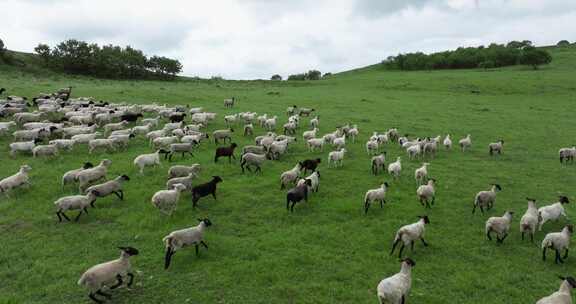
152	159
205	189
290	176
226	151
185	237
567	154
447	142
307	135
410	233
310	164
63	144
378	194
222	134
17	180
395	168
558	241
166	200
395	289
315	143
186	181
336	157
101	275
87	176
529	220
486	199
109	187
372	146
552	212
465	143
74	202
45	150
378	163
496	147
421	173
70	176
563	295
500	225
296	194
427	192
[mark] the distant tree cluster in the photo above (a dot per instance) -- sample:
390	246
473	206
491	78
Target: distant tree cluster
563	43
5	56
310	75
108	61
492	56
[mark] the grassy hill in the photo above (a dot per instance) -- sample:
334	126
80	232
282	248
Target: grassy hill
327	251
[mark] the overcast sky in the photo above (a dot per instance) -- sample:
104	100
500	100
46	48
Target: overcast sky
247	39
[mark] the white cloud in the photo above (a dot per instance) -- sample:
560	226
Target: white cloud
257	38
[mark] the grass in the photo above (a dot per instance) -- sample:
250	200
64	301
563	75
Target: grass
327	251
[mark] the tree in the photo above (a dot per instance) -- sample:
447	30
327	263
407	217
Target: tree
2	47
276	77
43	50
534	57
313	75
563	43
297	77
488	64
326	75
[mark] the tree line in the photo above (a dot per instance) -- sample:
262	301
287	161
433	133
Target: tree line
493	56
107	61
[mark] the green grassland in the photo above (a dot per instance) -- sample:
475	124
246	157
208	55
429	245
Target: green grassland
327	251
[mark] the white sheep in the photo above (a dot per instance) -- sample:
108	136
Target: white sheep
372	146
63	144
252	159
222	135
486	199
558	241
306	135
270	123
166	200
465	142
395	289
74	202
17	180
336	157
499	225
353	133
87	176
178	239
181	170
567	154
315	143
339	142
564	293
184	180
552	212
71	176
427	193
378	163
529	220
314	179
421	173
409	233
152	159
496	147
45	150
23	146
85	138
115	126
395	168
315	122
290	176
414	151
109	187
378	194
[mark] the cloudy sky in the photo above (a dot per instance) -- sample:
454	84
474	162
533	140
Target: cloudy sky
247	39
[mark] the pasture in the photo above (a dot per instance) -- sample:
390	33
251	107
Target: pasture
327	251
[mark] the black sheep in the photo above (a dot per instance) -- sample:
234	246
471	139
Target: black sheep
177	117
131	117
205	189
310	164
296	194
226	151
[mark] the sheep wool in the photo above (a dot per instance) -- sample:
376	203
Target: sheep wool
395	289
529	220
499	225
564	293
185	237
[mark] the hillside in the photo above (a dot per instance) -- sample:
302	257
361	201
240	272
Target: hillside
327	251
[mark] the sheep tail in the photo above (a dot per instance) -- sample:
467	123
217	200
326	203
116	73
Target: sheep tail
398	236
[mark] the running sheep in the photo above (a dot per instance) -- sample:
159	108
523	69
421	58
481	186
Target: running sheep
421	173
447	142
290	176
553	211
146	160
109	187
558	241
17	180
395	289
87	176
378	194
181	170
185	180
23	146
166	200
179	239
465	143
395	168
297	194
427	193
499	225
45	150
564	293
486	199
222	135
251	159
496	147
529	220
71	176
410	233
75	202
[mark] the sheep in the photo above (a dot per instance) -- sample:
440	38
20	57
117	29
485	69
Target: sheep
145	129
152	159
410	233
222	134
427	192
378	163
164	141
229	102
101	275
465	142
500	225
5	126
315	143
185	237
115	126
305	111
292	110
45	150
353	133
430	148
296	194
23	146
131	117
121	141
413	151
447	142
339	142
177	117
567	154
180	148
248	129
186	181
558	241
63	144
314	179
87	176
552	212
290	176
307	135
226	151
78	130
486	198
253	149
181	170
278	148
230	120
270	123
315	122
101	143
109	187
290	128
39	133
70	176
195	138
372	146
196	110
251	159
395	168
336	157
74	202
529	220
421	173
17	180
563	295
496	147
395	289
85	138
155	134
166	200
310	164
378	194
205	189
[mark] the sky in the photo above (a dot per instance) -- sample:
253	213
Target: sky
255	39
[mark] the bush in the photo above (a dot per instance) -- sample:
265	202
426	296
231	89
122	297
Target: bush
276	77
534	57
488	64
297	77
563	43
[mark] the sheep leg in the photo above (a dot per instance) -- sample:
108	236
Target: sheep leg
424	242
544	254
412	246
474	209
195	199
197	249
401	249
78	216
214	194
394	246
168	257
482	209
59	218
169	156
488	235
403	299
204	244
381	204
522	235
85	210
119	194
503	238
93	298
531	237
287	205
565	254
131	276
119	283
366	207
65	216
106	295
292	207
558	258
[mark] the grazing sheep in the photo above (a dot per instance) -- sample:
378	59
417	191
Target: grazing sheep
152	159
500	225
75	202
226	151
465	142
564	293
181	170
315	143
222	134
186	181
310	164
109	187
71	176
447	142
486	199
378	194
296	194
567	154
421	173
290	176
427	194
496	147
166	200
552	212
558	241
205	189
336	157
378	163
87	176
101	275
45	150
410	233
395	289
17	180
395	168
529	220
183	238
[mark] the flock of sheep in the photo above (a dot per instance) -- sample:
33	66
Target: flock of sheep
58	123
